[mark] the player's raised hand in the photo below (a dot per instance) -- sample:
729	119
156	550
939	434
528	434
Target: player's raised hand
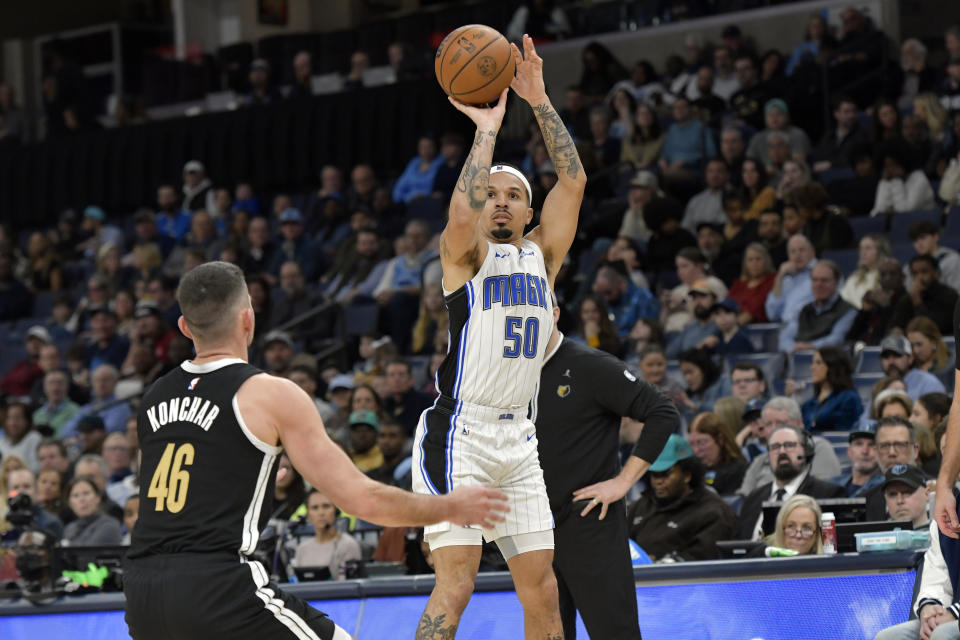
529	80
486	118
477	505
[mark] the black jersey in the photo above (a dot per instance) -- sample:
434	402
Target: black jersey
206	482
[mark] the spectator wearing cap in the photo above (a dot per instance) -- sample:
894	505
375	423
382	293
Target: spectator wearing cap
678	516
91	433
18	435
364	429
641	189
57	408
102	403
792	287
104	345
776	116
896	358
835	147
906	494
100	233
865	472
707	206
729	338
417	178
197	188
701	332
626	301
261	91
925	237
295	245
150	329
689	142
789	458
172	221
20	377
278	352
403	403
825	320
339	393
925	296
903	186
781	410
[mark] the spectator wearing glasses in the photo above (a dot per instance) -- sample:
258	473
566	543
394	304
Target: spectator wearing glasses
790	452
865	472
826	319
798	527
896	444
778	411
747	381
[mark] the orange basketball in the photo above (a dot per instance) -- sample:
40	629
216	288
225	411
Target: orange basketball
474	64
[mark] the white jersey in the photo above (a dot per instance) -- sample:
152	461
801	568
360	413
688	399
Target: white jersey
500	323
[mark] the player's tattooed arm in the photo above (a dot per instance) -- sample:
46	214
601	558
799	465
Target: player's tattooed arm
559	144
434	628
475	176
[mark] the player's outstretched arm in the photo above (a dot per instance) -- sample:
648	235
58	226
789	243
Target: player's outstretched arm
277	409
558	219
460	239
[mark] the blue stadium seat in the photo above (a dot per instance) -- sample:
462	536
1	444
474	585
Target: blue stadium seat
674	373
863	225
734	501
864	383
902	251
764	335
834	175
840	450
420	368
868	360
835	437
359	319
800	364
846	259
952	227
900	222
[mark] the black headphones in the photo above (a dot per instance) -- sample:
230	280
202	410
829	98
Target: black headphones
806	440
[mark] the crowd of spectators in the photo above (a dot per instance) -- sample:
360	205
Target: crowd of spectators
712	212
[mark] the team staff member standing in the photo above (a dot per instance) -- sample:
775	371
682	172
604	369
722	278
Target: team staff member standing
583	394
211	432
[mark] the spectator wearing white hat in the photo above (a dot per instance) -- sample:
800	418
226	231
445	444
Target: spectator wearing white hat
197	189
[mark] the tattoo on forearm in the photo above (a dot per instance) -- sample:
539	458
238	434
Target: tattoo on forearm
475	176
560	146
433	629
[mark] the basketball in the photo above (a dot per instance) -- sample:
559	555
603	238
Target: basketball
474	64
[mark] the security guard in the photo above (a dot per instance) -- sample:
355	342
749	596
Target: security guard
583	394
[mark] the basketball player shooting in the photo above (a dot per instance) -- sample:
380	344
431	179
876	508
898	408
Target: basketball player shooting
497	285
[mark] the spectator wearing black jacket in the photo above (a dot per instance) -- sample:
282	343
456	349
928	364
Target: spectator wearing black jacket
833	150
662	216
826	229
791	450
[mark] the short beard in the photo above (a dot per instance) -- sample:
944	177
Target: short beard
502	233
701	313
786	472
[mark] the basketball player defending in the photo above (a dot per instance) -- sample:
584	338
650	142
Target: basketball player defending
211	433
497	285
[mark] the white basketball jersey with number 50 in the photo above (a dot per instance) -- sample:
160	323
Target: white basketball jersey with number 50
500	322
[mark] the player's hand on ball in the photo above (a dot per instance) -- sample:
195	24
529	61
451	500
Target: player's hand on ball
477	505
486	118
529	80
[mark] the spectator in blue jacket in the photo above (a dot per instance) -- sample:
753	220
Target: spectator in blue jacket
835	405
416	181
627	301
729	339
689	142
172	221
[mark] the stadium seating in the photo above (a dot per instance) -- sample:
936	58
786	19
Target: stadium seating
868	360
764	336
900	223
846	259
863	226
800	362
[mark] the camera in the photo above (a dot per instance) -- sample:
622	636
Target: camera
21	510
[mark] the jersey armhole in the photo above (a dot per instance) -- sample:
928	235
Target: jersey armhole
254	440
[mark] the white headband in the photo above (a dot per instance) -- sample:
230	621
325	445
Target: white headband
497	168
